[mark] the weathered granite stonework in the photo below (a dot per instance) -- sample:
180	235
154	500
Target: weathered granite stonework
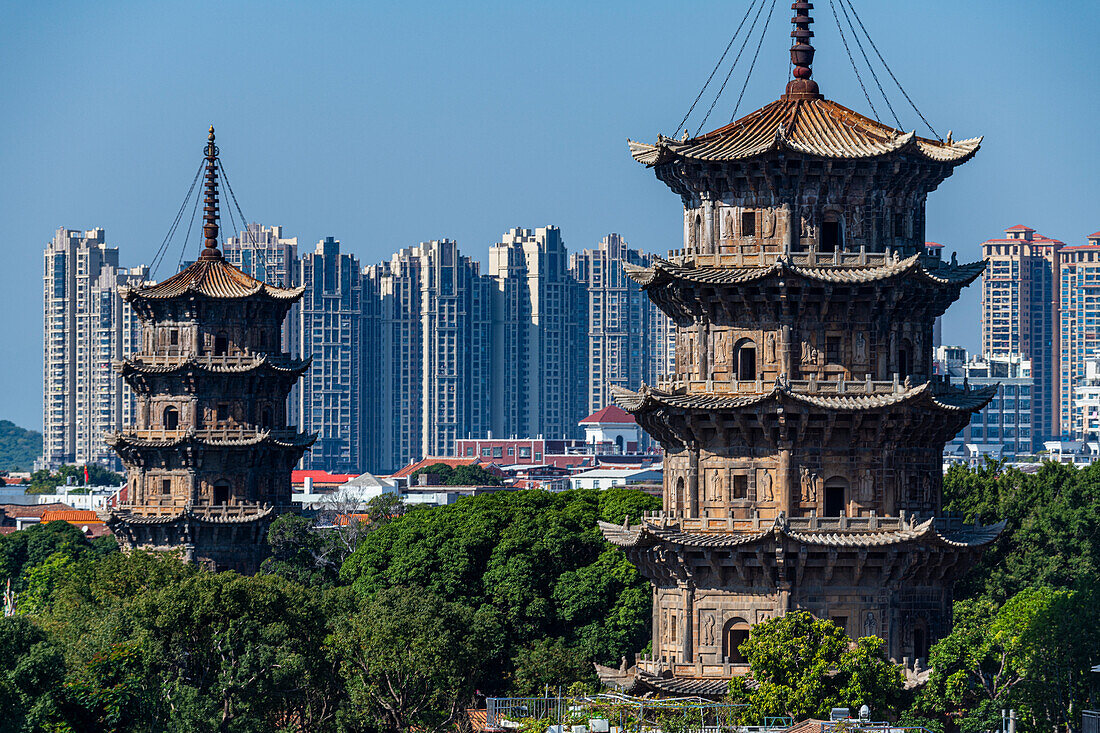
209	458
803	427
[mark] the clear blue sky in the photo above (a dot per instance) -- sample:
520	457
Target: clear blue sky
384	124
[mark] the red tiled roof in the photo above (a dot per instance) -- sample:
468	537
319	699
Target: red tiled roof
23	511
1094	235
430	461
609	414
72	516
321	477
933	245
1019	228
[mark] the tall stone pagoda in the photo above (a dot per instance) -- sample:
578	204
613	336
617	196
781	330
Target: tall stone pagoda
209	458
803	426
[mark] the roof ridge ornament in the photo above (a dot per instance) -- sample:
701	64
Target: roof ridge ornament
210	202
802	55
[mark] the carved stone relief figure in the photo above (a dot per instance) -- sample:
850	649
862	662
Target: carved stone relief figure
926	488
729	225
769	348
809	483
861	348
709	636
664	626
870	624
809	350
866	486
767	225
855	221
691	234
723	354
806	227
715	485
764	480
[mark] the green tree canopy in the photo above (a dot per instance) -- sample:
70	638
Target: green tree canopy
44	481
804	666
1052	536
536	558
411	660
465	475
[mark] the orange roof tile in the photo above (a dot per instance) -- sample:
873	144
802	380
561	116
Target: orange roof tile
72	516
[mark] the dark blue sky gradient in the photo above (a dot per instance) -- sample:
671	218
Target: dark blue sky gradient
384	124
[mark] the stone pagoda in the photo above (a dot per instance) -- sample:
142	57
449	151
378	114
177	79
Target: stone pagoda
803	426
209	458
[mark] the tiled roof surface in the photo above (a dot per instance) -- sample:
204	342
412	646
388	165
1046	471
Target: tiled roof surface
32	510
478	719
816	127
235	440
925	533
72	516
321	477
1019	228
431	460
945	398
214	278
934	271
214	365
609	414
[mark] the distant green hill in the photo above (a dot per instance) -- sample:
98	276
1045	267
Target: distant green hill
18	447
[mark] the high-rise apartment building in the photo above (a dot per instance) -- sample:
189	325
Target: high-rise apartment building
1003	428
538	352
265	254
1079	316
431	360
1020	314
331	391
629	339
86	330
1086	403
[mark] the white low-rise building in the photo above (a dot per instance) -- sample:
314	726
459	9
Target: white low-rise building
605	478
353	495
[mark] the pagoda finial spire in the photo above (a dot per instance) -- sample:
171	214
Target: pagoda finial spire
802	54
210	201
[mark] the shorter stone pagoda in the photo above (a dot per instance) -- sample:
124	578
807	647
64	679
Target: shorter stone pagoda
210	454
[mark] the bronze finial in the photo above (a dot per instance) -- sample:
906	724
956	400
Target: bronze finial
210	201
802	54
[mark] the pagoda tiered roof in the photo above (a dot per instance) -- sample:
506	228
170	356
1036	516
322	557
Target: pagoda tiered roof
856	397
814	127
941	532
928	269
215	365
209	439
211	277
